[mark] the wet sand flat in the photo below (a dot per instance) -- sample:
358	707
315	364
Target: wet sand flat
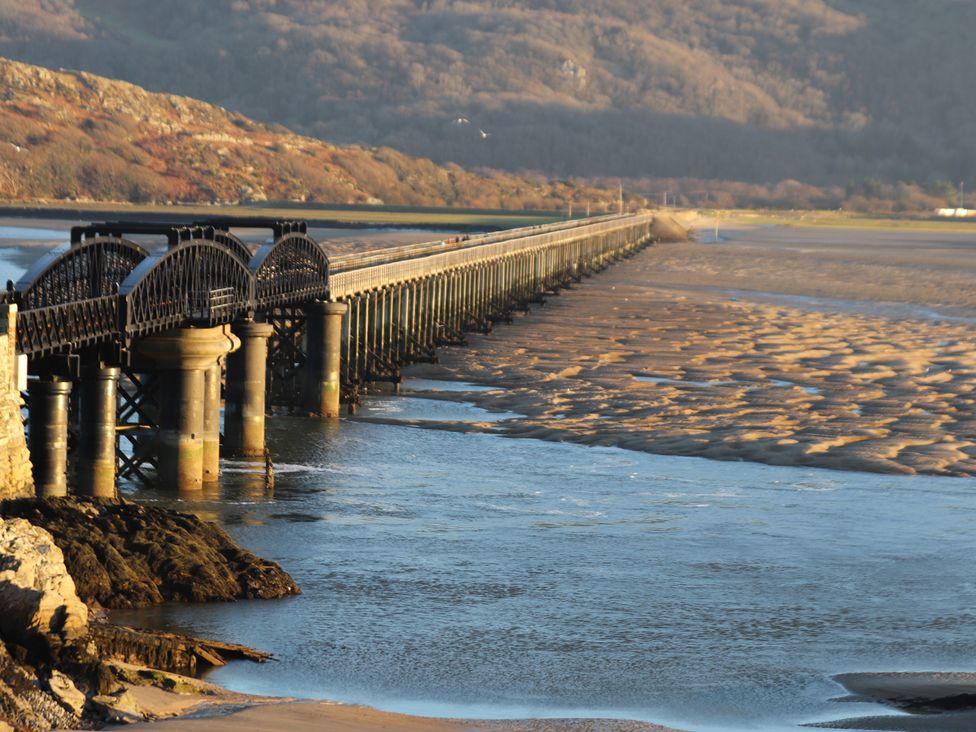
838	349
315	716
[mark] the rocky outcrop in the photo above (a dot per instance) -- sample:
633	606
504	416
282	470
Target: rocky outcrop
64	667
24	705
125	555
41	614
15	465
36	592
168	651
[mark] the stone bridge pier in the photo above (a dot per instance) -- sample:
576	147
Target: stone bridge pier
188	363
244	411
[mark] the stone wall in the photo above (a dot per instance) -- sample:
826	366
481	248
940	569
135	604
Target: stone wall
15	466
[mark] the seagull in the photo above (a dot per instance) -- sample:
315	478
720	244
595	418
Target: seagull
484	135
462	121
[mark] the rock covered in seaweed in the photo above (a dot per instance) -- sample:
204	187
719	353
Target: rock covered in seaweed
127	555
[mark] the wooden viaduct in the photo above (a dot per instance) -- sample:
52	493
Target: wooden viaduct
130	350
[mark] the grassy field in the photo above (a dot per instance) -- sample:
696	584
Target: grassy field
340	216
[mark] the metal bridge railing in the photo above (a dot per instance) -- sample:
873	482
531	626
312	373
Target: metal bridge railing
349	282
56	328
359	260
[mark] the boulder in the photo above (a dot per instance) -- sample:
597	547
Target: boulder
66	693
36	592
119	708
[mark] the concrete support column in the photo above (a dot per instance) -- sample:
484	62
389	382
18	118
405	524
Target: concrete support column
96	436
246	373
211	421
49	436
183	356
323	332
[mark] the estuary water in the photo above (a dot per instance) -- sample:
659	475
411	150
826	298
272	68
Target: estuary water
467	574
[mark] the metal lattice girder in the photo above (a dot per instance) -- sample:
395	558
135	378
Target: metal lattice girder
69	327
86	269
291	270
136	421
197	282
227	240
279	227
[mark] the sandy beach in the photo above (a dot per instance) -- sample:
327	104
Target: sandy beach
314	716
830	348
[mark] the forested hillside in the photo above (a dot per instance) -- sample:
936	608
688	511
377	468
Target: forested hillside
822	91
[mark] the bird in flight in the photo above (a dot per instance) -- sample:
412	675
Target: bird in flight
461	121
484	135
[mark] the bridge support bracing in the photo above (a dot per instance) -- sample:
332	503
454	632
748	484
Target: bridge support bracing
48	414
183	356
97	431
323	332
244	410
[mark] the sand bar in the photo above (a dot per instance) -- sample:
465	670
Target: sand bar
837	349
315	716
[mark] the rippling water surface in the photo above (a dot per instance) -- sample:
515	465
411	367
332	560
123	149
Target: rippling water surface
469	574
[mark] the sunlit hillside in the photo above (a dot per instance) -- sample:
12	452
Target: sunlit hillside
823	91
79	136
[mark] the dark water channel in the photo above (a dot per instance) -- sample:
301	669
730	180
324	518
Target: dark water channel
471	575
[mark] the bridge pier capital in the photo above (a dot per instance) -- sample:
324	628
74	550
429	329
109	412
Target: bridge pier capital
188	349
189	433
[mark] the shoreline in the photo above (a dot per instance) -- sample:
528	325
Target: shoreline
314	715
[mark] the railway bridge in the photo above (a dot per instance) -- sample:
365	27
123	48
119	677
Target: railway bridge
134	333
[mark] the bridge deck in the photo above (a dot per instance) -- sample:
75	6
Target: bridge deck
202	275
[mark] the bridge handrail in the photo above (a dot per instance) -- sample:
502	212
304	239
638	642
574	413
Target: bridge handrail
359	260
350	282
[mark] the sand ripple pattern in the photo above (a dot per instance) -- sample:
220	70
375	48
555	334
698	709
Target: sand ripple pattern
650	356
